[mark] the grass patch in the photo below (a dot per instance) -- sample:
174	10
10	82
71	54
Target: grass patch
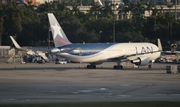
101	104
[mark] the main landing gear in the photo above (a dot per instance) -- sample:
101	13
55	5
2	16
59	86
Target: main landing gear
91	66
118	67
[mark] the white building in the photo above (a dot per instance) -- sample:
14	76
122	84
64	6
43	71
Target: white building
116	1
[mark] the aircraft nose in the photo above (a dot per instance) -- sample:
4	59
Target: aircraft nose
55	50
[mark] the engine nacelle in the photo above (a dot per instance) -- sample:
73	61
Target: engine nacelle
141	61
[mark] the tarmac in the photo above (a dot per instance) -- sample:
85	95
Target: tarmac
55	83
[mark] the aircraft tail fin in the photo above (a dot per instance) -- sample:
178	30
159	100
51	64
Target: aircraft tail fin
59	36
159	45
98	2
15	43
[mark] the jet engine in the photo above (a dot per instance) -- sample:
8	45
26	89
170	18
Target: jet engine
141	61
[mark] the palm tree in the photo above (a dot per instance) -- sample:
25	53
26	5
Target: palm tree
107	8
138	10
137	15
149	5
75	9
122	10
169	6
95	10
125	10
129	8
62	6
154	14
169	17
43	7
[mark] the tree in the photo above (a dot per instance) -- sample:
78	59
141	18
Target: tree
130	37
2	15
12	21
30	23
107	9
150	25
102	26
76	31
43	7
169	6
95	10
149	6
138	16
129	8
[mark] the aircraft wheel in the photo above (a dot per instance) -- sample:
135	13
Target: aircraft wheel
88	66
149	66
115	67
94	66
91	66
118	67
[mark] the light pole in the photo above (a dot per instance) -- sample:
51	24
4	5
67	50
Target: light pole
115	6
155	28
175	9
114	28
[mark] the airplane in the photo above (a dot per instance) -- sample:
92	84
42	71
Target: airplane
140	54
32	50
28	48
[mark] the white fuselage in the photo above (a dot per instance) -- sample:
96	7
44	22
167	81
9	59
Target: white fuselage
131	50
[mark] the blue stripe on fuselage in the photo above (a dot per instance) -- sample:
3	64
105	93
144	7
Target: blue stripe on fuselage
86	49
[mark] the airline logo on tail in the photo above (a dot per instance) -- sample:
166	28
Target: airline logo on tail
59	36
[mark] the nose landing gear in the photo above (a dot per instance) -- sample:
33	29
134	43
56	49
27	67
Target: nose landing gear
150	64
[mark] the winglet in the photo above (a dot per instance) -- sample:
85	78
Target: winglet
159	44
15	43
59	36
